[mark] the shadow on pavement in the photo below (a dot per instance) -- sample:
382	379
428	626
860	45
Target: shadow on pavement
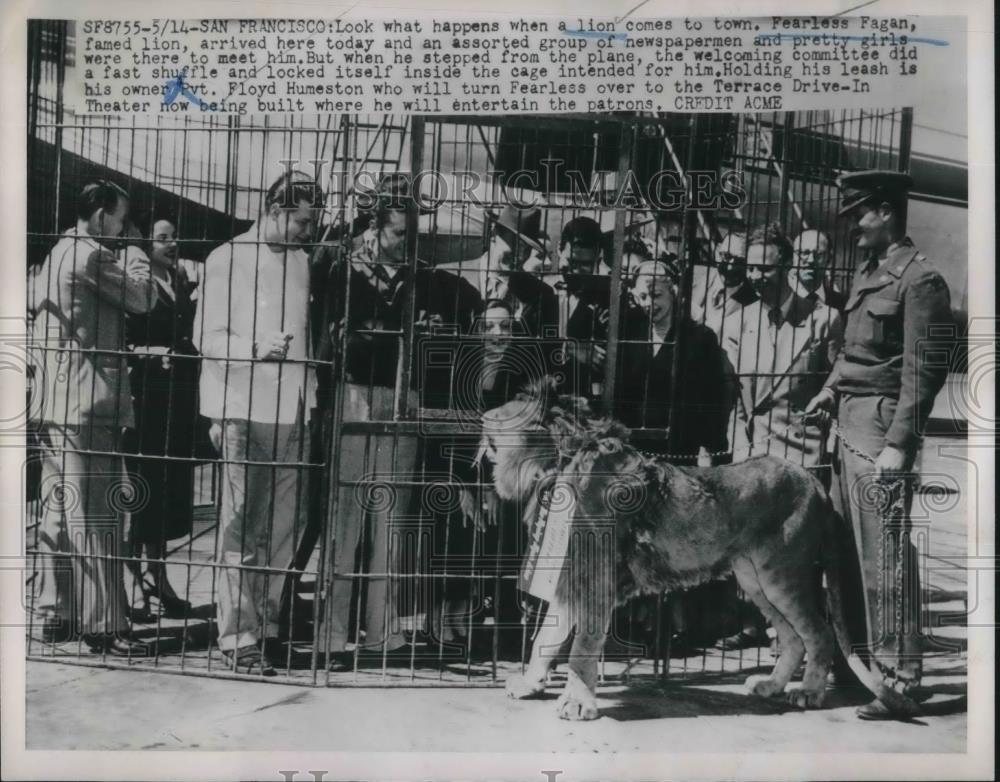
685	702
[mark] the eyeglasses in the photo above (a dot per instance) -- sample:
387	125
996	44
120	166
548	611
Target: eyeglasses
727	257
809	253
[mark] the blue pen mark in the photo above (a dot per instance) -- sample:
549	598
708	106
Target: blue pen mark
176	87
596	34
795	37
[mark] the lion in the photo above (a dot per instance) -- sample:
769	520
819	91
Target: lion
767	520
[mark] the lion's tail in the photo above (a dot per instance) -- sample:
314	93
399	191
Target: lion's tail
837	556
839	560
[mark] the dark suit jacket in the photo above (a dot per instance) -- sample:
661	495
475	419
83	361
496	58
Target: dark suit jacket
587	325
343	298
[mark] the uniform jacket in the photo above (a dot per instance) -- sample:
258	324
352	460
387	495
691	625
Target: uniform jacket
780	368
898	322
81	294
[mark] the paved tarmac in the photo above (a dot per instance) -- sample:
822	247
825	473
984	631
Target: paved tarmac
90	708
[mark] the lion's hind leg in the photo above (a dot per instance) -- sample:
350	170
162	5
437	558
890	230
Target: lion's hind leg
792	593
803	610
792	648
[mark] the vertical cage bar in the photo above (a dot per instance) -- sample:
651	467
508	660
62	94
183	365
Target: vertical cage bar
626	137
905	147
417	126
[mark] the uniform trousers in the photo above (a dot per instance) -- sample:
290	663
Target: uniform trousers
864	500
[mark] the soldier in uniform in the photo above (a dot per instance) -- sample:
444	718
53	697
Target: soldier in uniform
882	388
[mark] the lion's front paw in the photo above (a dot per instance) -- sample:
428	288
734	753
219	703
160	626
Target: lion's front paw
764	687
806	699
574	707
521	687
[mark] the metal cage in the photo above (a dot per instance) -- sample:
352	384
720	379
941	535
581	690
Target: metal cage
398	454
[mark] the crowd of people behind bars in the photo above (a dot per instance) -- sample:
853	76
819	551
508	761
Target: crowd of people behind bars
292	332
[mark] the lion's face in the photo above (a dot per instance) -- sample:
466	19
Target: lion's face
523	438
519	444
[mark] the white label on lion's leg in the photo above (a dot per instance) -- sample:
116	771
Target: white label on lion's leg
547	558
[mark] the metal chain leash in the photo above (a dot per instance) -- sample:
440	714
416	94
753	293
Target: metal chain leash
727	452
895	501
802	420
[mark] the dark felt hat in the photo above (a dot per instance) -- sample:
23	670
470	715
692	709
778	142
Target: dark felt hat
525	224
864	187
393	192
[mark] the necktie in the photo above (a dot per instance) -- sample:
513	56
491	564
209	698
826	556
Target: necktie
872	264
496	288
383	280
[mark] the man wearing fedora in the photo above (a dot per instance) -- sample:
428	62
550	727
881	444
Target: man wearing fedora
515	235
499	274
881	389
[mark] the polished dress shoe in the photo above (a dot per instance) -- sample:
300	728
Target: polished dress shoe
876	711
900	699
744	639
171	606
115	645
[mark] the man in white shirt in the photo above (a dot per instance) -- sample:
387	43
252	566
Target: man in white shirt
719	295
257	387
